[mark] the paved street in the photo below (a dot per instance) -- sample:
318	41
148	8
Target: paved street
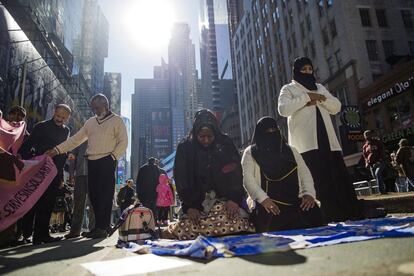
376	257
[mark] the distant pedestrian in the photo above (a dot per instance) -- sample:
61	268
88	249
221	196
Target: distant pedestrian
400	181
405	158
80	193
308	107
46	135
374	154
107	142
146	184
126	195
165	199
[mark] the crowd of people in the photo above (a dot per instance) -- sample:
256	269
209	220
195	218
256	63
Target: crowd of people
275	185
393	172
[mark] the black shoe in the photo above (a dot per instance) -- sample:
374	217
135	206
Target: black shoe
72	235
47	239
96	233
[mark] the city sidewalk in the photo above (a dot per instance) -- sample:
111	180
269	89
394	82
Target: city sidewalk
376	257
394	202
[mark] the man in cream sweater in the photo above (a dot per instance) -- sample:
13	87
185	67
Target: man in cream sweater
107	142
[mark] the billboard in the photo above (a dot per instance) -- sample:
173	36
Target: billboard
160	133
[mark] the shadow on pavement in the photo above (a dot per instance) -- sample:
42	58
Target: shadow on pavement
28	255
277	258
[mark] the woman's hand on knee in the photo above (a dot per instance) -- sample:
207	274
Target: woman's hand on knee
232	209
270	206
308	202
194	215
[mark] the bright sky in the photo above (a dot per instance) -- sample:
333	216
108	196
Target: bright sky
139	35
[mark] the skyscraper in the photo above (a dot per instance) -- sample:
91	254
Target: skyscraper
112	90
151	120
215	56
182	81
94	45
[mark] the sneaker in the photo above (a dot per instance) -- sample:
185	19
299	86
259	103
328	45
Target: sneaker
96	233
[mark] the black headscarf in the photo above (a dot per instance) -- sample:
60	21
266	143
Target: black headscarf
205	118
270	151
203	157
307	80
199	169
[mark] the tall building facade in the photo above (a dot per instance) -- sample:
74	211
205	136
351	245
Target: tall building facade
182	73
215	54
348	41
39	70
150	121
217	85
123	166
112	90
94	45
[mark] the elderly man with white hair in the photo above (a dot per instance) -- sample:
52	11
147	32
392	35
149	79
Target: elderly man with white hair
107	142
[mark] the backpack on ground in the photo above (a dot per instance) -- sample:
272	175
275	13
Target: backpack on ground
136	223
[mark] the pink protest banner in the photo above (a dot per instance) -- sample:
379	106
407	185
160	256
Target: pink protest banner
11	135
31	181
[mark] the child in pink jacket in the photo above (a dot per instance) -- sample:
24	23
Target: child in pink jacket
165	199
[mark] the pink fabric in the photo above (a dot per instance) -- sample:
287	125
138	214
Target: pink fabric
165	196
22	182
31	182
11	136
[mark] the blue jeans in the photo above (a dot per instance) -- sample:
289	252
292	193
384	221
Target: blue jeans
377	172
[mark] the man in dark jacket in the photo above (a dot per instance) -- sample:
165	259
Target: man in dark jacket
405	158
46	135
374	155
126	195
146	184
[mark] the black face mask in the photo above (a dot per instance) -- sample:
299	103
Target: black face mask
271	141
307	80
269	149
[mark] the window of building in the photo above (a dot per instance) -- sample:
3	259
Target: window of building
329	3
302	29
411	47
381	18
338	58
306	51
388	46
331	65
407	19
308	22
376	76
372	49
299	5
365	18
325	36
313	51
342	94
320	8
332	26
294	40
399	114
379	119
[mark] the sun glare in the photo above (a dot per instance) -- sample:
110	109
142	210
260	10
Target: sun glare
149	22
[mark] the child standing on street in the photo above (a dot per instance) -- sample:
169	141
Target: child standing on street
165	199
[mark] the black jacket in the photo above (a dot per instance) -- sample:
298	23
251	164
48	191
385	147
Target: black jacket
45	136
223	173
